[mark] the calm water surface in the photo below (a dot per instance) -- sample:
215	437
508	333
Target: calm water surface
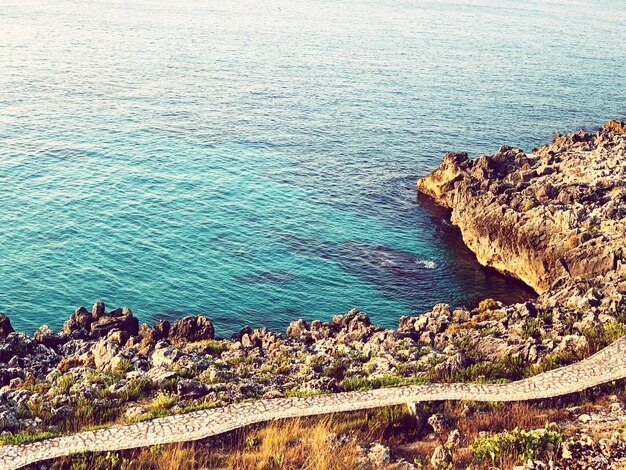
256	161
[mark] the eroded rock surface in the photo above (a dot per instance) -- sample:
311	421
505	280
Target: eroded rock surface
558	212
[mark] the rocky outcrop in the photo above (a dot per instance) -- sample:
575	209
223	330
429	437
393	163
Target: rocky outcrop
190	329
556	213
5	326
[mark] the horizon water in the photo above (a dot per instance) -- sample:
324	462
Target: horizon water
256	163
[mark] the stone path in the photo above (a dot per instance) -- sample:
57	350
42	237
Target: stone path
605	366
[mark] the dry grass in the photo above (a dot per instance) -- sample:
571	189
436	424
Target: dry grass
295	445
304	443
309	443
497	419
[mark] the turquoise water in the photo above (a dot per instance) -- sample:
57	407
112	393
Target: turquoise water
256	161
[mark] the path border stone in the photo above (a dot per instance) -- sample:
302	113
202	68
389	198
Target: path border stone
605	366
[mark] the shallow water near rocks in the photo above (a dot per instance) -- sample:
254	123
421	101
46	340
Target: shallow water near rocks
256	162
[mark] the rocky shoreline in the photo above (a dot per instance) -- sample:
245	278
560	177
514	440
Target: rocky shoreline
555	219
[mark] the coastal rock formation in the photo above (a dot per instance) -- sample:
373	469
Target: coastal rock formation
48	379
556	213
555	218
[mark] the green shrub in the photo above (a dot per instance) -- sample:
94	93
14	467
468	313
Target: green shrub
517	444
65	382
531	328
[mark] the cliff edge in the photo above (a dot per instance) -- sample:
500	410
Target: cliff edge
554	214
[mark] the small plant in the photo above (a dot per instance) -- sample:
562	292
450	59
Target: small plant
65	382
531	328
209	346
296	392
123	365
134	389
528	205
573	240
355	383
163	401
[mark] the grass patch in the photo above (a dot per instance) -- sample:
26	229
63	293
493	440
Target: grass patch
26	436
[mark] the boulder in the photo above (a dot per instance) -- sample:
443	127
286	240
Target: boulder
80	321
103	353
107	323
98	310
454	364
5	326
161	329
190	388
165	355
191	329
46	336
8	420
158	375
297	328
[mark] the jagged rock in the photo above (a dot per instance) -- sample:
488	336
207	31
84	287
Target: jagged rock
98	310
441	458
118	336
297	328
191	329
46	336
134	411
379	455
250	341
124	321
80	320
103	353
162	329
502	205
8	420
158	375
5	326
190	388
573	343
454	364
165	355
437	422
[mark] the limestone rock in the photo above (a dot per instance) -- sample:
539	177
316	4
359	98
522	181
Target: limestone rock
191	329
441	458
437	422
504	205
379	455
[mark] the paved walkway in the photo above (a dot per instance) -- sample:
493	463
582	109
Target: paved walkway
605	366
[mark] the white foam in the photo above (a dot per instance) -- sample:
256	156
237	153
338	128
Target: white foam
426	263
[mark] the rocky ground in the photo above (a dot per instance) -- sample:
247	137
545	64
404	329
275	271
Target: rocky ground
555	218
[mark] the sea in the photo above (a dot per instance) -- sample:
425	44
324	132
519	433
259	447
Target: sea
256	162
